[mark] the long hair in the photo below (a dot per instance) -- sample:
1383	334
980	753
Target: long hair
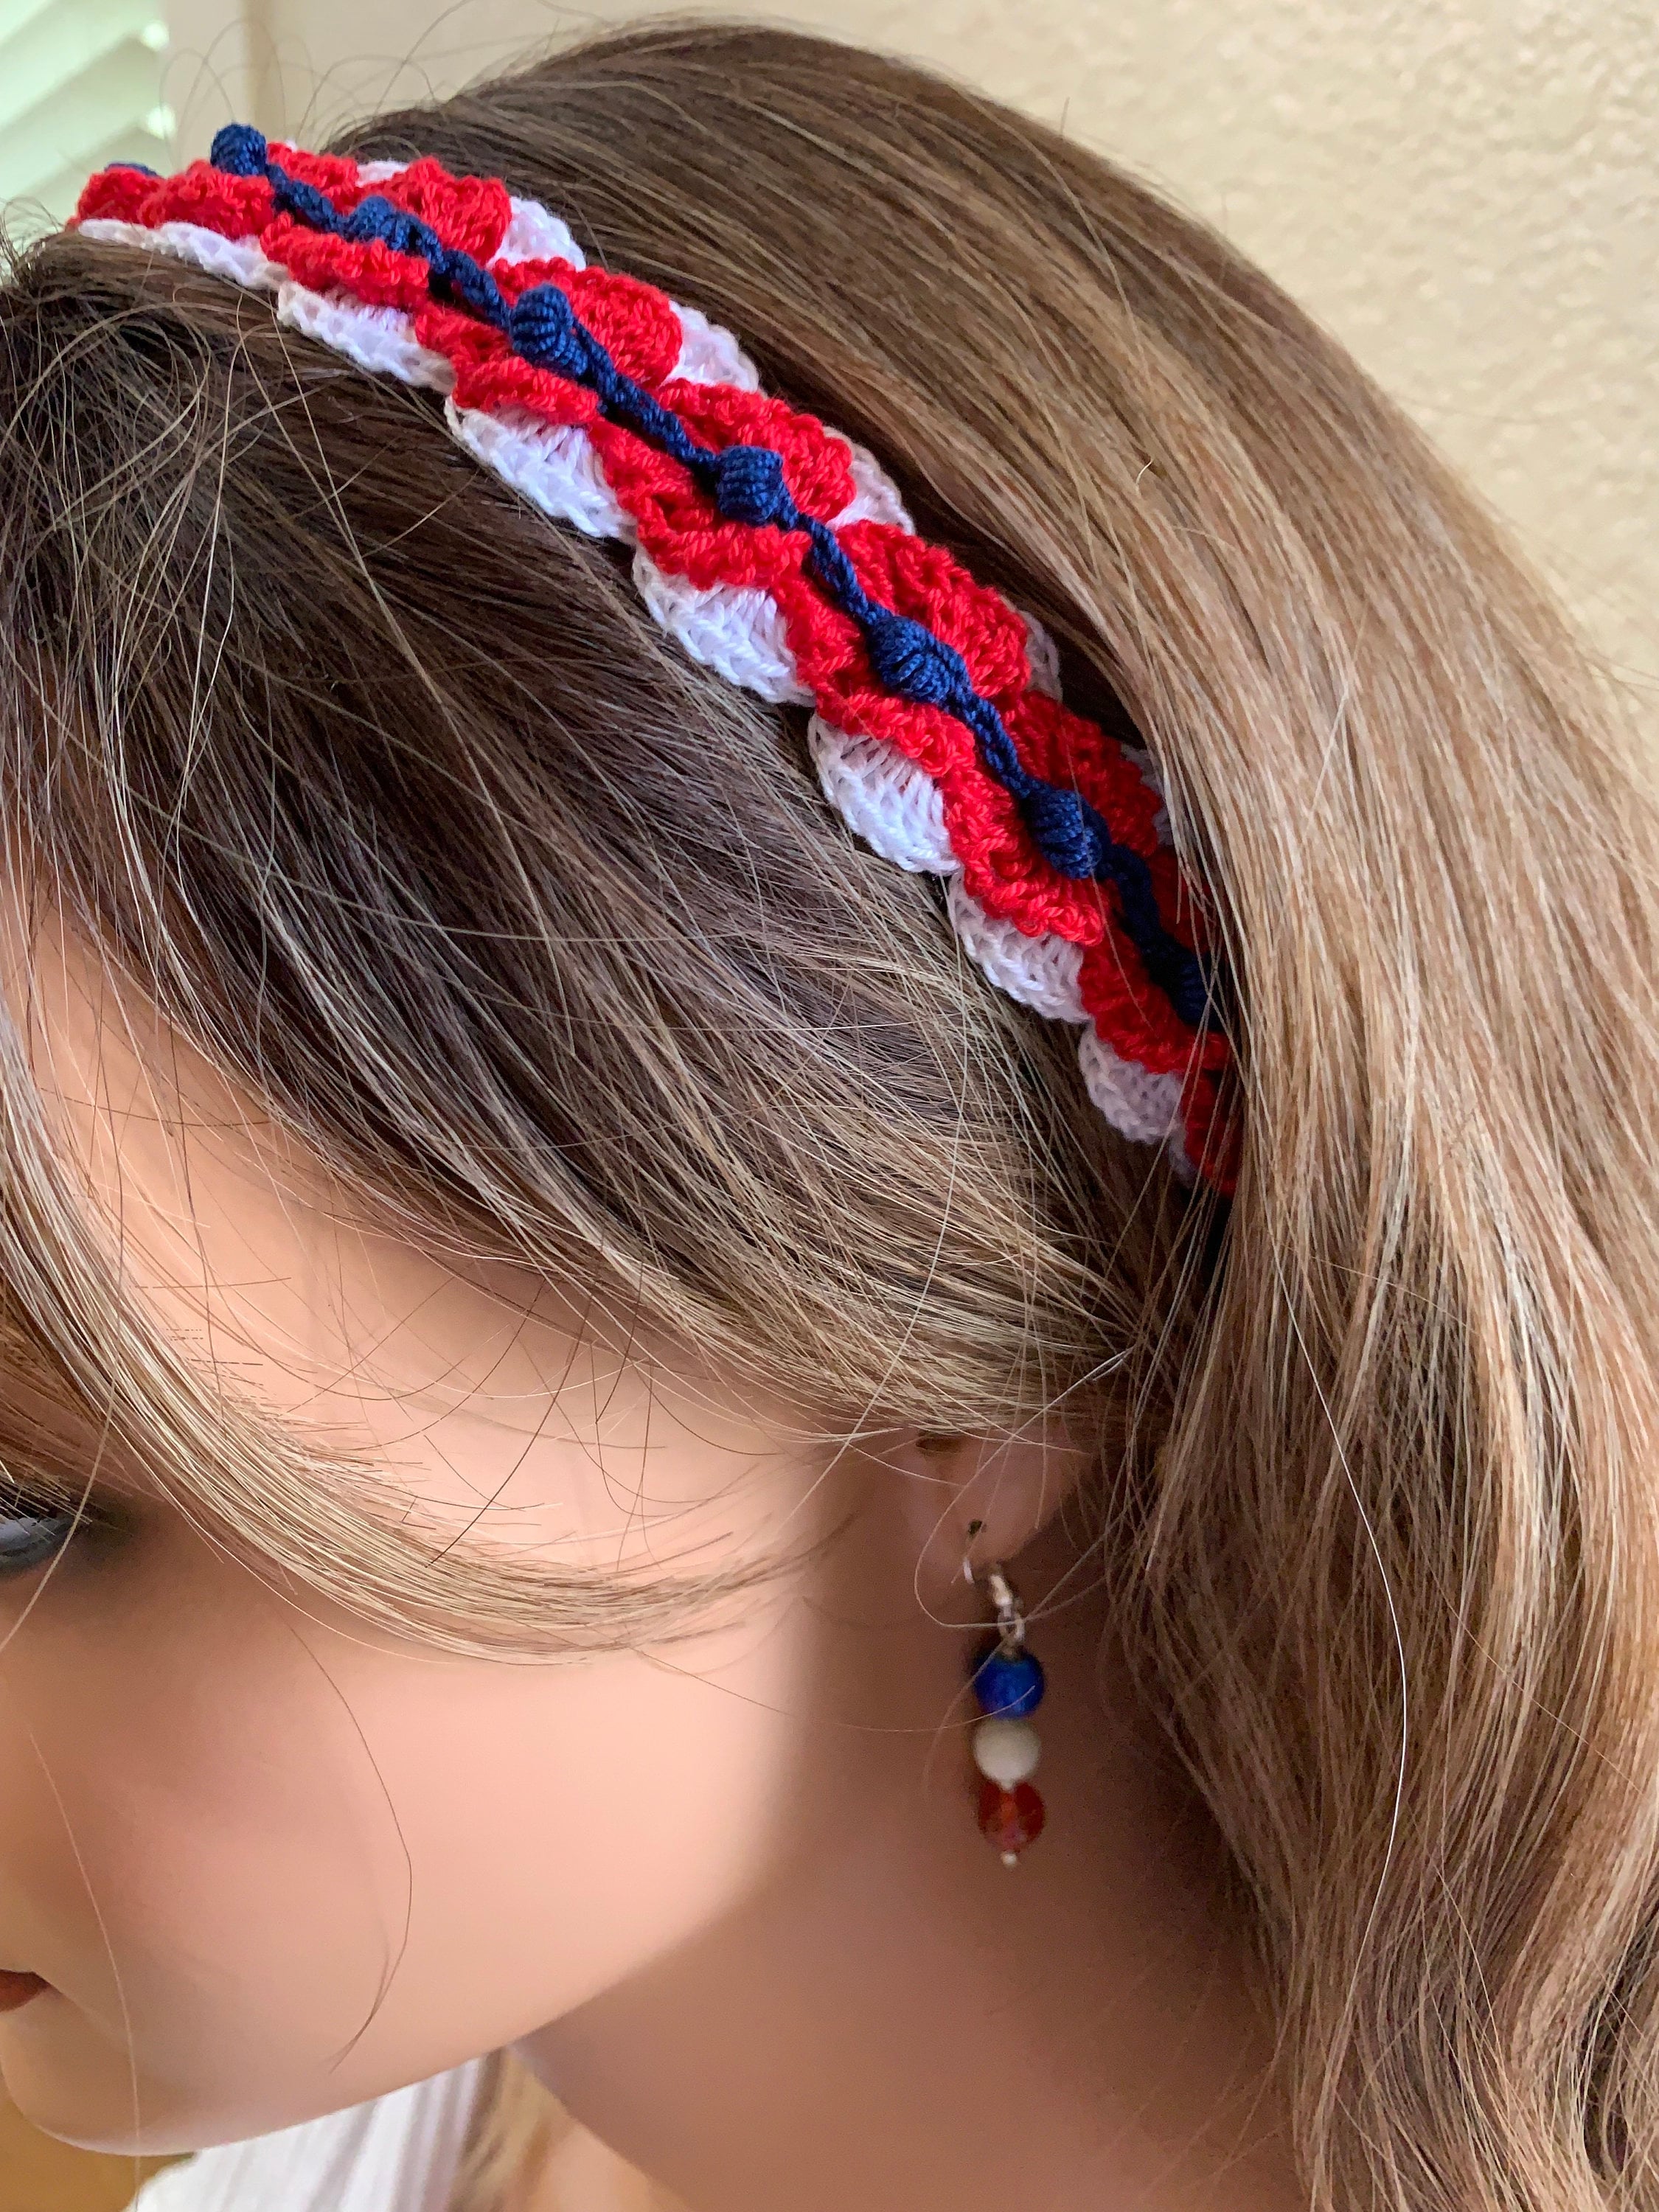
393	802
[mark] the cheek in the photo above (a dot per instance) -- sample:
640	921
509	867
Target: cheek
568	1823
188	1849
288	1869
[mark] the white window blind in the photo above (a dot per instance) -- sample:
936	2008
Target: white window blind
80	86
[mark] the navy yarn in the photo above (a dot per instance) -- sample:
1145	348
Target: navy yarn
997	748
452	274
1059	823
376	217
304	202
748	485
239	150
909	658
543	327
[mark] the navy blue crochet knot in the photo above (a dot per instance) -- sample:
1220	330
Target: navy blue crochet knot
376	217
239	150
749	487
543	327
1061	829
909	660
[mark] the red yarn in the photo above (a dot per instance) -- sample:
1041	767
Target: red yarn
235	207
924	582
368	270
679	525
470	213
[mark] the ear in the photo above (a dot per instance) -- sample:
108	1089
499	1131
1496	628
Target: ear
980	1499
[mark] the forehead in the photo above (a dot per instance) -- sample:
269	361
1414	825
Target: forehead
253	1258
232	1232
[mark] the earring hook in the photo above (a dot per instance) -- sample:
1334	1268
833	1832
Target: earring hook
993	1577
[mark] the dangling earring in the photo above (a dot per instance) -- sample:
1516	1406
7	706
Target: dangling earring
1008	1682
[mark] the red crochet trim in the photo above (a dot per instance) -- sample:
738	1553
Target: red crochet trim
684	533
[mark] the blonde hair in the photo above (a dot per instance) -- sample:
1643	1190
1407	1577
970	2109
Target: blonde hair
397	806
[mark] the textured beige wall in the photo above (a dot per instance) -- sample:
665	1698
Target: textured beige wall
1466	191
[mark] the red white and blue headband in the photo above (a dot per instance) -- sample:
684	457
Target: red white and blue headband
776	551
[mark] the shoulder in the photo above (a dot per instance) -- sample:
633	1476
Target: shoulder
397	2154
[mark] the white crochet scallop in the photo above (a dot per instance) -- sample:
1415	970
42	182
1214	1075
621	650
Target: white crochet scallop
1040	972
1042	657
536	234
883	797
710	354
380	339
737	630
1143	1105
553	465
1154	782
875	496
239	258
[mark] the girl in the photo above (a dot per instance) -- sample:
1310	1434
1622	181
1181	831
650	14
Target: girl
716	1126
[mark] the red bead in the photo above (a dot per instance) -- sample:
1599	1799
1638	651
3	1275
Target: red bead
1010	1819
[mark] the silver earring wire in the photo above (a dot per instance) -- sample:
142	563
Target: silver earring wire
993	1578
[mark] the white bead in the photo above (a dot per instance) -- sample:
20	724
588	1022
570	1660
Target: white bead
1007	1751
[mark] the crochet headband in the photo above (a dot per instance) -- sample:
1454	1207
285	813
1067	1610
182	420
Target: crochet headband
776	551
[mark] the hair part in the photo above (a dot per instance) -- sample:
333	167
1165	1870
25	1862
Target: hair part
394	802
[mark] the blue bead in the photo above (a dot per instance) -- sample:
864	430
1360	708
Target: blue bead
1008	1684
543	327
749	487
908	658
238	150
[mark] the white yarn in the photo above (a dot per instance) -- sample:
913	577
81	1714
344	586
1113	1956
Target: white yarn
535	233
553	465
238	258
1154	782
1038	971
882	797
1144	1106
377	172
875	496
380	339
710	354
1041	657
738	631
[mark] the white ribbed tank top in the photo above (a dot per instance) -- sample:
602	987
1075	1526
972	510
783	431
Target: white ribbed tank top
397	2154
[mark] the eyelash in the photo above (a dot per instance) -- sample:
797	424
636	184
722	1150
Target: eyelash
31	1535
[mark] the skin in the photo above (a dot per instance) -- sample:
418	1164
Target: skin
727	1895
